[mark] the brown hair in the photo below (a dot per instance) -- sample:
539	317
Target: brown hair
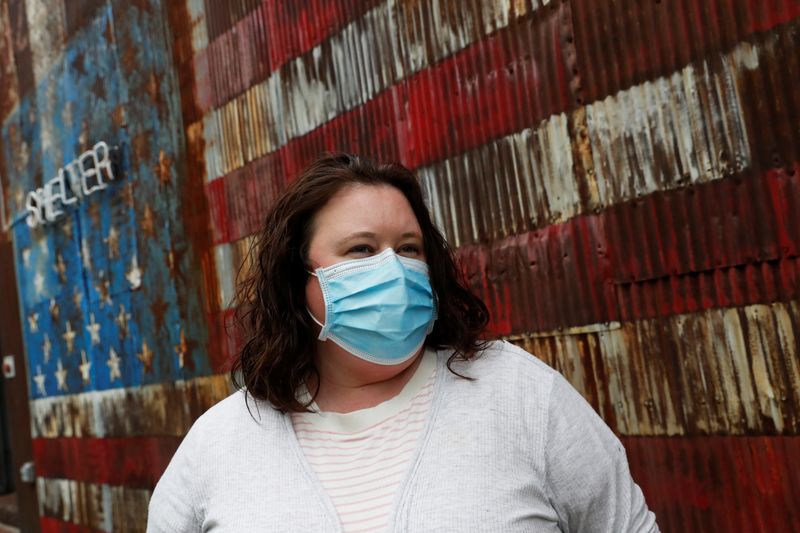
279	338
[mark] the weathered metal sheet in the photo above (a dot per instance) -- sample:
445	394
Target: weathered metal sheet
745	220
23	60
718	483
670	132
509	186
158	409
46	33
724	243
222	16
620	44
68	505
9	90
133	462
620	180
331	79
732	371
772	97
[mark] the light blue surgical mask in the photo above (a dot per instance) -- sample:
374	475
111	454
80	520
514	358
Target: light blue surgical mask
378	308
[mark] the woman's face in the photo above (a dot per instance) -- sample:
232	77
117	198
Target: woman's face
360	221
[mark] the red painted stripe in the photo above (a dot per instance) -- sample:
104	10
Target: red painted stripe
619	45
223	338
49	524
730	242
218	211
719	483
136	462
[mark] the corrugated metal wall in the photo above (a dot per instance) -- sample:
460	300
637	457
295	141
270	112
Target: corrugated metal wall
620	179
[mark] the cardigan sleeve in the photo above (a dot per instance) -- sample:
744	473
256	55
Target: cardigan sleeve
588	479
174	504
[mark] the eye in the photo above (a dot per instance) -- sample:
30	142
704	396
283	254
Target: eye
411	250
361	249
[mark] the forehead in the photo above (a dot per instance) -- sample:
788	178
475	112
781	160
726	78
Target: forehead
366	207
367	203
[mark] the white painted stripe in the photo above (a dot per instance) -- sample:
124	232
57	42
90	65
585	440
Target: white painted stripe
541	182
197	17
47	23
162	409
225	274
96	506
212	155
736	369
673	131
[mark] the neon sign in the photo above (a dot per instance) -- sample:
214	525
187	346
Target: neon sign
88	173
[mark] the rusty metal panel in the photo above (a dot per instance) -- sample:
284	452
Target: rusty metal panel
772	97
69	505
686	31
222	16
108	291
744	220
524	176
9	90
718	483
732	371
620	180
107	413
724	243
47	34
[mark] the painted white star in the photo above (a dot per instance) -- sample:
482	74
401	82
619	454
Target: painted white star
39	380
61	376
26	257
46	347
60	268
77	297
182	349
38	283
146	357
66	227
85	366
43	247
113	365
94	329
86	254
69	337
55	312
134	275
122	321
33	322
113	242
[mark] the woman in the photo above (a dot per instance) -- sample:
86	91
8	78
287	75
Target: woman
369	402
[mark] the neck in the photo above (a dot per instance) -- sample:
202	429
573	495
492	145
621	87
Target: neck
347	383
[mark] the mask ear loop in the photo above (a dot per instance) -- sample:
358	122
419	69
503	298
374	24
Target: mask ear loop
320	324
314	318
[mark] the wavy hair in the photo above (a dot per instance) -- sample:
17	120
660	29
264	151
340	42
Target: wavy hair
279	337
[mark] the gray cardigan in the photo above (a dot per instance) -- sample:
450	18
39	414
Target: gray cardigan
518	449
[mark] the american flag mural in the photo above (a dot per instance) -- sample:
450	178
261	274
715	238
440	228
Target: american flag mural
619	179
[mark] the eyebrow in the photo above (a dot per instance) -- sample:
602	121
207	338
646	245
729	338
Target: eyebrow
370	235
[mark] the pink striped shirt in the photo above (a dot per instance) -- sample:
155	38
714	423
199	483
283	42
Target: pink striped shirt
362	457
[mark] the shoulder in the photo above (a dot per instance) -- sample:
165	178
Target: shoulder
235	416
503	360
503	374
